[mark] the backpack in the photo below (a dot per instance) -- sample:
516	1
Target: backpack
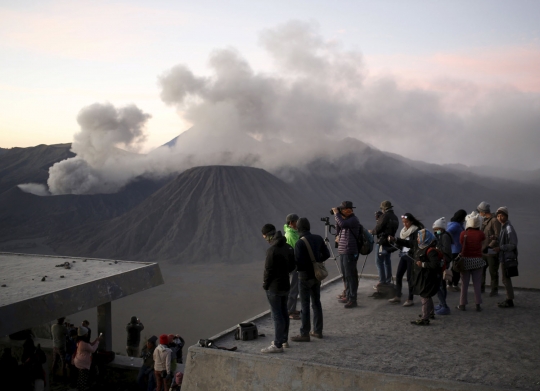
364	242
246	331
439	254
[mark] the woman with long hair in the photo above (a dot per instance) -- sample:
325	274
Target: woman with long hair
471	241
409	245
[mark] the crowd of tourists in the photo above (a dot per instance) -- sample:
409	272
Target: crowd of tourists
434	261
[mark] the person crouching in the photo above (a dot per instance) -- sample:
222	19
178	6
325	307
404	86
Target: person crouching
426	274
279	263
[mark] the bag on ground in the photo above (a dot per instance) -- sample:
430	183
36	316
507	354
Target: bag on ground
246	332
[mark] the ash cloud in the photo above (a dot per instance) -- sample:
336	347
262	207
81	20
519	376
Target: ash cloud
35	188
319	94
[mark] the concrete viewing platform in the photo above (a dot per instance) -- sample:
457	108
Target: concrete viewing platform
374	347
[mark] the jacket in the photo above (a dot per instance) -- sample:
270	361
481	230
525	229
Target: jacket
291	235
347	240
162	359
473	243
134	334
508	242
411	244
426	278
490	227
387	225
59	333
83	355
148	356
455	229
279	263
444	243
303	261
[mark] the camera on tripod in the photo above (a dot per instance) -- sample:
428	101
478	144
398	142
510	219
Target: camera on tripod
326	220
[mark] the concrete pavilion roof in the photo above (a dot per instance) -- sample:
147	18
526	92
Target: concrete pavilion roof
27	301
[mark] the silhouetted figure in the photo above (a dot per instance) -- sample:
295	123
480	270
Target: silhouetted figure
133	328
9	370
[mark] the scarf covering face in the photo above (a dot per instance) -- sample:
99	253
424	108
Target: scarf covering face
405	233
425	238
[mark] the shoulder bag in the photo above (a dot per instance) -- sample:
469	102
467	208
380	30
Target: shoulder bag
318	267
459	262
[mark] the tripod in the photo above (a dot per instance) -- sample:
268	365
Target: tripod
328	230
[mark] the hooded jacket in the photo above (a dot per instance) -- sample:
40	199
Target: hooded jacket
455	229
426	278
162	359
387	225
279	263
301	254
291	235
347	229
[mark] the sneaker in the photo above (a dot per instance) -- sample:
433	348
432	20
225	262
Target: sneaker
408	303
344	300
285	345
301	338
351	304
395	300
438	307
375	287
460	307
494	292
443	311
506	304
420	322
272	349
316	335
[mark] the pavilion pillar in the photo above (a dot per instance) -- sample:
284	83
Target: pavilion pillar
104	320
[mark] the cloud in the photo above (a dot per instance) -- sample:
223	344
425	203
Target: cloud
319	94
34	188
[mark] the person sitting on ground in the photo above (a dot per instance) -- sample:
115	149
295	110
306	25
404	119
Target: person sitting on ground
507	250
409	245
59	333
387	225
426	274
291	234
279	263
133	329
83	357
471	241
310	287
146	378
162	364
492	229
455	228
348	231
444	243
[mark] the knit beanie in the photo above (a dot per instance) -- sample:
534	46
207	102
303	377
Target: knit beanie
163	339
483	207
170	338
291	217
268	229
82	331
474	220
440	223
303	225
503	209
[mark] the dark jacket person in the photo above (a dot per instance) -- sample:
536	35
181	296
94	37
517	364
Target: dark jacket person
133	328
310	287
279	263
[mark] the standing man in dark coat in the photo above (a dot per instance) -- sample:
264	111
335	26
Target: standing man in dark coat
387	225
133	328
492	230
348	231
279	263
310	287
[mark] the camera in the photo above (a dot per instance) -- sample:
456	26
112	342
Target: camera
332	211
325	219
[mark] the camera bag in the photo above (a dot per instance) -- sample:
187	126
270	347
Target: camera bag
385	291
246	332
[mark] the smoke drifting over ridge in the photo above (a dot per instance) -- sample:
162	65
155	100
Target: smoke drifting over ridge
319	94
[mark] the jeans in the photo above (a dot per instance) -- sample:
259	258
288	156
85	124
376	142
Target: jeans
293	293
404	266
350	274
442	293
492	262
151	378
384	265
310	289
278	306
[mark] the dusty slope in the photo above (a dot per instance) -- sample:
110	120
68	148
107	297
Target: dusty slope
207	214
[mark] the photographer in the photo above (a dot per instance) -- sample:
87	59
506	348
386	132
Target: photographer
348	231
387	225
291	234
133	329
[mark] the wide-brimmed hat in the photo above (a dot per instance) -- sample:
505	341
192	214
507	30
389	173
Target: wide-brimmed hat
347	205
385	205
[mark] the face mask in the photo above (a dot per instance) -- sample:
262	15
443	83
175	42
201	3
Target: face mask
438	232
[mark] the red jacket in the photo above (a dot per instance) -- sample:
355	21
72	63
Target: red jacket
473	246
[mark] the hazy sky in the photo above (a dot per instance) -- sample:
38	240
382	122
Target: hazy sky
479	62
